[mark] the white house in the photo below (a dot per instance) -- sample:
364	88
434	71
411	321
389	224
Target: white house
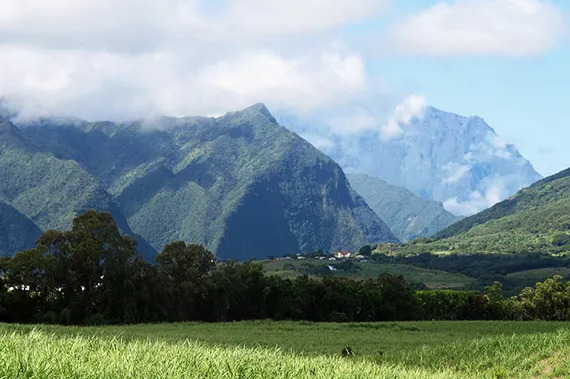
342	254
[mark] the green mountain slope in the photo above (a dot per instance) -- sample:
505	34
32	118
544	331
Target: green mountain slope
407	215
41	191
240	184
16	230
536	219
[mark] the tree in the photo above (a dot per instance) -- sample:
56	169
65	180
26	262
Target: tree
550	300
77	275
365	250
398	300
561	239
183	270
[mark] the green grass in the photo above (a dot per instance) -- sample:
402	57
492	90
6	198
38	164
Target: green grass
434	279
40	355
535	275
260	349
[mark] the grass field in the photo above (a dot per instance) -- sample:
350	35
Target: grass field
261	349
435	279
530	277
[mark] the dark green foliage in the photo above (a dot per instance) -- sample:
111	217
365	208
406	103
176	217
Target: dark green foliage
365	250
550	300
451	305
92	274
78	275
508	269
560	239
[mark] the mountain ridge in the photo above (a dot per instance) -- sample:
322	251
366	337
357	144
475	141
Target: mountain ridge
457	160
192	178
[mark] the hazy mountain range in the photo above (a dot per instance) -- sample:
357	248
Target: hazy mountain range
459	161
240	184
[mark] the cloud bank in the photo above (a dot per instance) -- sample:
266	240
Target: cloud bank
478	27
125	59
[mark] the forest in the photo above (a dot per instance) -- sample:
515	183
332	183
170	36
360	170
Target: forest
92	274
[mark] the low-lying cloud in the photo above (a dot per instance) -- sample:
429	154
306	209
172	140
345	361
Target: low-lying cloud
411	107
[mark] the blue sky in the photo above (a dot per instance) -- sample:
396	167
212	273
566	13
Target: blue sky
348	64
526	99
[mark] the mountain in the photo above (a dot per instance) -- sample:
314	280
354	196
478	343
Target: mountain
536	219
17	230
240	184
459	161
40	191
407	215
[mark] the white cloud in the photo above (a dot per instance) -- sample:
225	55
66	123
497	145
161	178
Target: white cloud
144	25
502	27
299	84
477	201
491	145
320	142
123	59
263	17
412	106
356	121
465	208
455	172
96	85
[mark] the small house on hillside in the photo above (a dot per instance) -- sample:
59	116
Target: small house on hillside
342	254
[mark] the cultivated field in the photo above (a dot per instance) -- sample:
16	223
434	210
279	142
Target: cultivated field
262	349
433	279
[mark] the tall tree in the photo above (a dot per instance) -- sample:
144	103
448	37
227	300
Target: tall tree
183	270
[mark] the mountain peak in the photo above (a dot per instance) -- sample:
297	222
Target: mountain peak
259	107
256	110
240	184
457	160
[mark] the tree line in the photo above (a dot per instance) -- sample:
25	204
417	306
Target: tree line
92	274
485	268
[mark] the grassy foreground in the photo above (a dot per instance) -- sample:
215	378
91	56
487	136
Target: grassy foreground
288	350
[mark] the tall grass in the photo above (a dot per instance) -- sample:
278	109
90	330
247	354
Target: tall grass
36	352
522	356
41	355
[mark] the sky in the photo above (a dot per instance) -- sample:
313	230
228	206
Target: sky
355	65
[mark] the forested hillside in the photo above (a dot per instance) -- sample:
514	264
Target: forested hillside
240	184
536	219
